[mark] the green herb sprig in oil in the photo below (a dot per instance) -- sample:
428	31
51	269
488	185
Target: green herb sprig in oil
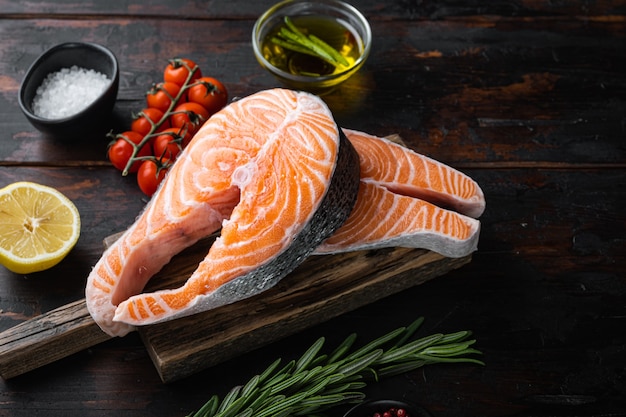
317	382
293	38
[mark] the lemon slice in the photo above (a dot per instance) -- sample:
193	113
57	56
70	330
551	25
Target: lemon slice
38	227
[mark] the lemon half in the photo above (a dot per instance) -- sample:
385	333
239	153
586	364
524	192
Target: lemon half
39	226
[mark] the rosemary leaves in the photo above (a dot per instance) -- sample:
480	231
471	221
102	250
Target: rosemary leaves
318	381
298	50
291	37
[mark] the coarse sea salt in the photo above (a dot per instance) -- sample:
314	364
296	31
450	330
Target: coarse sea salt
68	91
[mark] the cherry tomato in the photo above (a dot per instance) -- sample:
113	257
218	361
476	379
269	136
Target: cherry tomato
190	115
151	174
169	143
178	69
208	92
160	96
142	124
121	150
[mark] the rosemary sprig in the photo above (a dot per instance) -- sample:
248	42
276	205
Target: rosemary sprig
293	38
317	382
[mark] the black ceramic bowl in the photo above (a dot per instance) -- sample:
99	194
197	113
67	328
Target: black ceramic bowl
92	118
369	408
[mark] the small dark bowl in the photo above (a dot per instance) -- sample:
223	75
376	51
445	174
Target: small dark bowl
368	408
85	55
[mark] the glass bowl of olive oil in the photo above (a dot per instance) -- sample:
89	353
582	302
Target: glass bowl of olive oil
312	45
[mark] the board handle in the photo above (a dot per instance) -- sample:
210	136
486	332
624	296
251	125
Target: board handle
70	328
47	338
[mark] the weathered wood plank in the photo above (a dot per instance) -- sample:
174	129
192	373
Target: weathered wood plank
242	9
493	90
47	338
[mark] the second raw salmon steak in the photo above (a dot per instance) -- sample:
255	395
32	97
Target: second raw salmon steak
407	199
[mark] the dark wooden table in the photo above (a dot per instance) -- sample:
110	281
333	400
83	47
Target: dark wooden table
527	97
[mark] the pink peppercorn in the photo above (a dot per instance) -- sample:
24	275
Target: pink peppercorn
392	412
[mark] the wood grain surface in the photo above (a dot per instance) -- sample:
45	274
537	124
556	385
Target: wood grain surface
527	97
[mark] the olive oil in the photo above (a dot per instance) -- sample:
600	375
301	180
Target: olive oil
335	32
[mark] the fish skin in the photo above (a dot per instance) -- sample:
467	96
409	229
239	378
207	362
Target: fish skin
409	214
324	201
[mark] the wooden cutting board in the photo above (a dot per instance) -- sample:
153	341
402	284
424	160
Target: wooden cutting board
322	287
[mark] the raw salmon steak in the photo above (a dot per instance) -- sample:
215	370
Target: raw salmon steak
409	200
273	171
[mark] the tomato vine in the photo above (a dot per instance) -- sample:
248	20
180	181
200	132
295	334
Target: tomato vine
171	112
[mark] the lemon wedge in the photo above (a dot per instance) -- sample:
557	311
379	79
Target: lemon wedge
39	226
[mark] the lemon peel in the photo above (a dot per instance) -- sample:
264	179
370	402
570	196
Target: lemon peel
39	226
